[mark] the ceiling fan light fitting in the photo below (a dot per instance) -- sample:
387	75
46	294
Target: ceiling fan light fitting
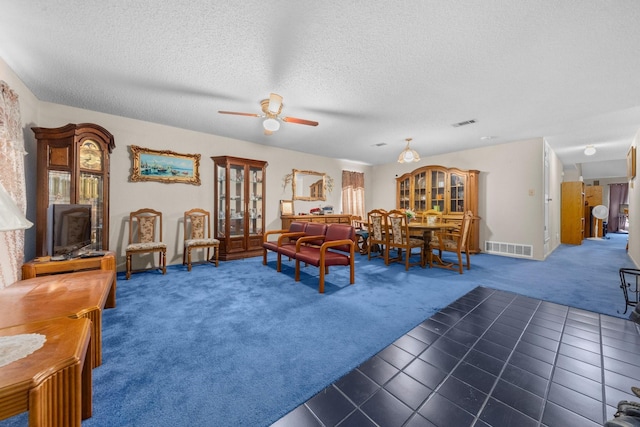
408	155
275	103
590	150
271	124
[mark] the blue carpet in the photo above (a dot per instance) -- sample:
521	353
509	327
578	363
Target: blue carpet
241	345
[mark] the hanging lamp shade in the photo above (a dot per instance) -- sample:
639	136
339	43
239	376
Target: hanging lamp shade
408	155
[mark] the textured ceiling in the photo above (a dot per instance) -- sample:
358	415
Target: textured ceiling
370	72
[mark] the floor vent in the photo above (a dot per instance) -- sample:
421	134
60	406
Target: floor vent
508	249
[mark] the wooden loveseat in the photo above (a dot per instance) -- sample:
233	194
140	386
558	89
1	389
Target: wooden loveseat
316	244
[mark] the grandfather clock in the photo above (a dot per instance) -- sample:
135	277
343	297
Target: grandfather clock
73	168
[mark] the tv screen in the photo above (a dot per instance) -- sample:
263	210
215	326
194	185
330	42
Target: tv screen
68	229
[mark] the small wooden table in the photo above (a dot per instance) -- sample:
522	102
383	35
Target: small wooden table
75	295
54	382
36	268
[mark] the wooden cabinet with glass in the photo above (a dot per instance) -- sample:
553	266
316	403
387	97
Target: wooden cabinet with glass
73	168
239	197
451	191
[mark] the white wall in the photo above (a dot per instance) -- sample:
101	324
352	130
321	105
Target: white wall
510	194
173	199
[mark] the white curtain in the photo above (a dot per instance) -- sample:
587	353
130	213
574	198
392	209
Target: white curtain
353	193
13	179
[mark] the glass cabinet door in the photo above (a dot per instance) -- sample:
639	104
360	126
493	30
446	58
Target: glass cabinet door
255	200
90	187
59	187
457	184
404	194
420	192
437	190
221	201
236	200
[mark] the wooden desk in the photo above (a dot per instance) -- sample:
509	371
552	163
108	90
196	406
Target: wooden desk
76	295
36	268
54	382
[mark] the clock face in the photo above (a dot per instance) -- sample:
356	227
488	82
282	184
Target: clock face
90	156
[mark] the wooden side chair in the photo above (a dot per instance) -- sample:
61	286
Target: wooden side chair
197	235
145	236
455	241
431	216
378	234
401	239
362	234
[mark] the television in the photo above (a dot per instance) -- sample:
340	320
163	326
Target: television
68	230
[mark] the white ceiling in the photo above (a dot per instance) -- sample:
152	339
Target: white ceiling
370	72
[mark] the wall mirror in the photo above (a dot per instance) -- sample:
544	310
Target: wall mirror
309	185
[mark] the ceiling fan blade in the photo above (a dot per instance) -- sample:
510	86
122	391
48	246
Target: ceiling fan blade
240	114
299	121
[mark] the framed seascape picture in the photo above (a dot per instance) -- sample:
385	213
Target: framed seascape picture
164	166
631	163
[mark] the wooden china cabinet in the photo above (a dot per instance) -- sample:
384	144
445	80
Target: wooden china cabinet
451	191
239	198
73	167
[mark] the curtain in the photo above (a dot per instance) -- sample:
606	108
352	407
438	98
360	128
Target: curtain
13	179
618	194
353	193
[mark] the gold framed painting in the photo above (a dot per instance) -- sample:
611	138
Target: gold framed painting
631	163
286	207
164	166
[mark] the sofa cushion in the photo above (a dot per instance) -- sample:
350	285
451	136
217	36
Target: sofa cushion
311	255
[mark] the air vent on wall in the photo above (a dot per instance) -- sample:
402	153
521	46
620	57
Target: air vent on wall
509	249
466	122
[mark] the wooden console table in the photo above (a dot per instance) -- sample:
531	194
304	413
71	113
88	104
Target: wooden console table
76	295
36	268
54	382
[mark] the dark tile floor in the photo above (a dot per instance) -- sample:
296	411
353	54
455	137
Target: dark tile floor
491	358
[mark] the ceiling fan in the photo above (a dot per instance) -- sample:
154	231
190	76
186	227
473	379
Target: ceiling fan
271	109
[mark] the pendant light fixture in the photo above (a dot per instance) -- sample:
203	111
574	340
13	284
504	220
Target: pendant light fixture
408	155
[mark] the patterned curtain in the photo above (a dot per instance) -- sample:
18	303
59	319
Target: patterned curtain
13	179
353	193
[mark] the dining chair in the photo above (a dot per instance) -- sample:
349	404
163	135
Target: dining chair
452	241
378	234
431	216
362	234
197	235
401	239
145	236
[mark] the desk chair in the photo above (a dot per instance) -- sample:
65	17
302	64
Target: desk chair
197	235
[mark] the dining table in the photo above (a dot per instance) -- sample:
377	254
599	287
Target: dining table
426	228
